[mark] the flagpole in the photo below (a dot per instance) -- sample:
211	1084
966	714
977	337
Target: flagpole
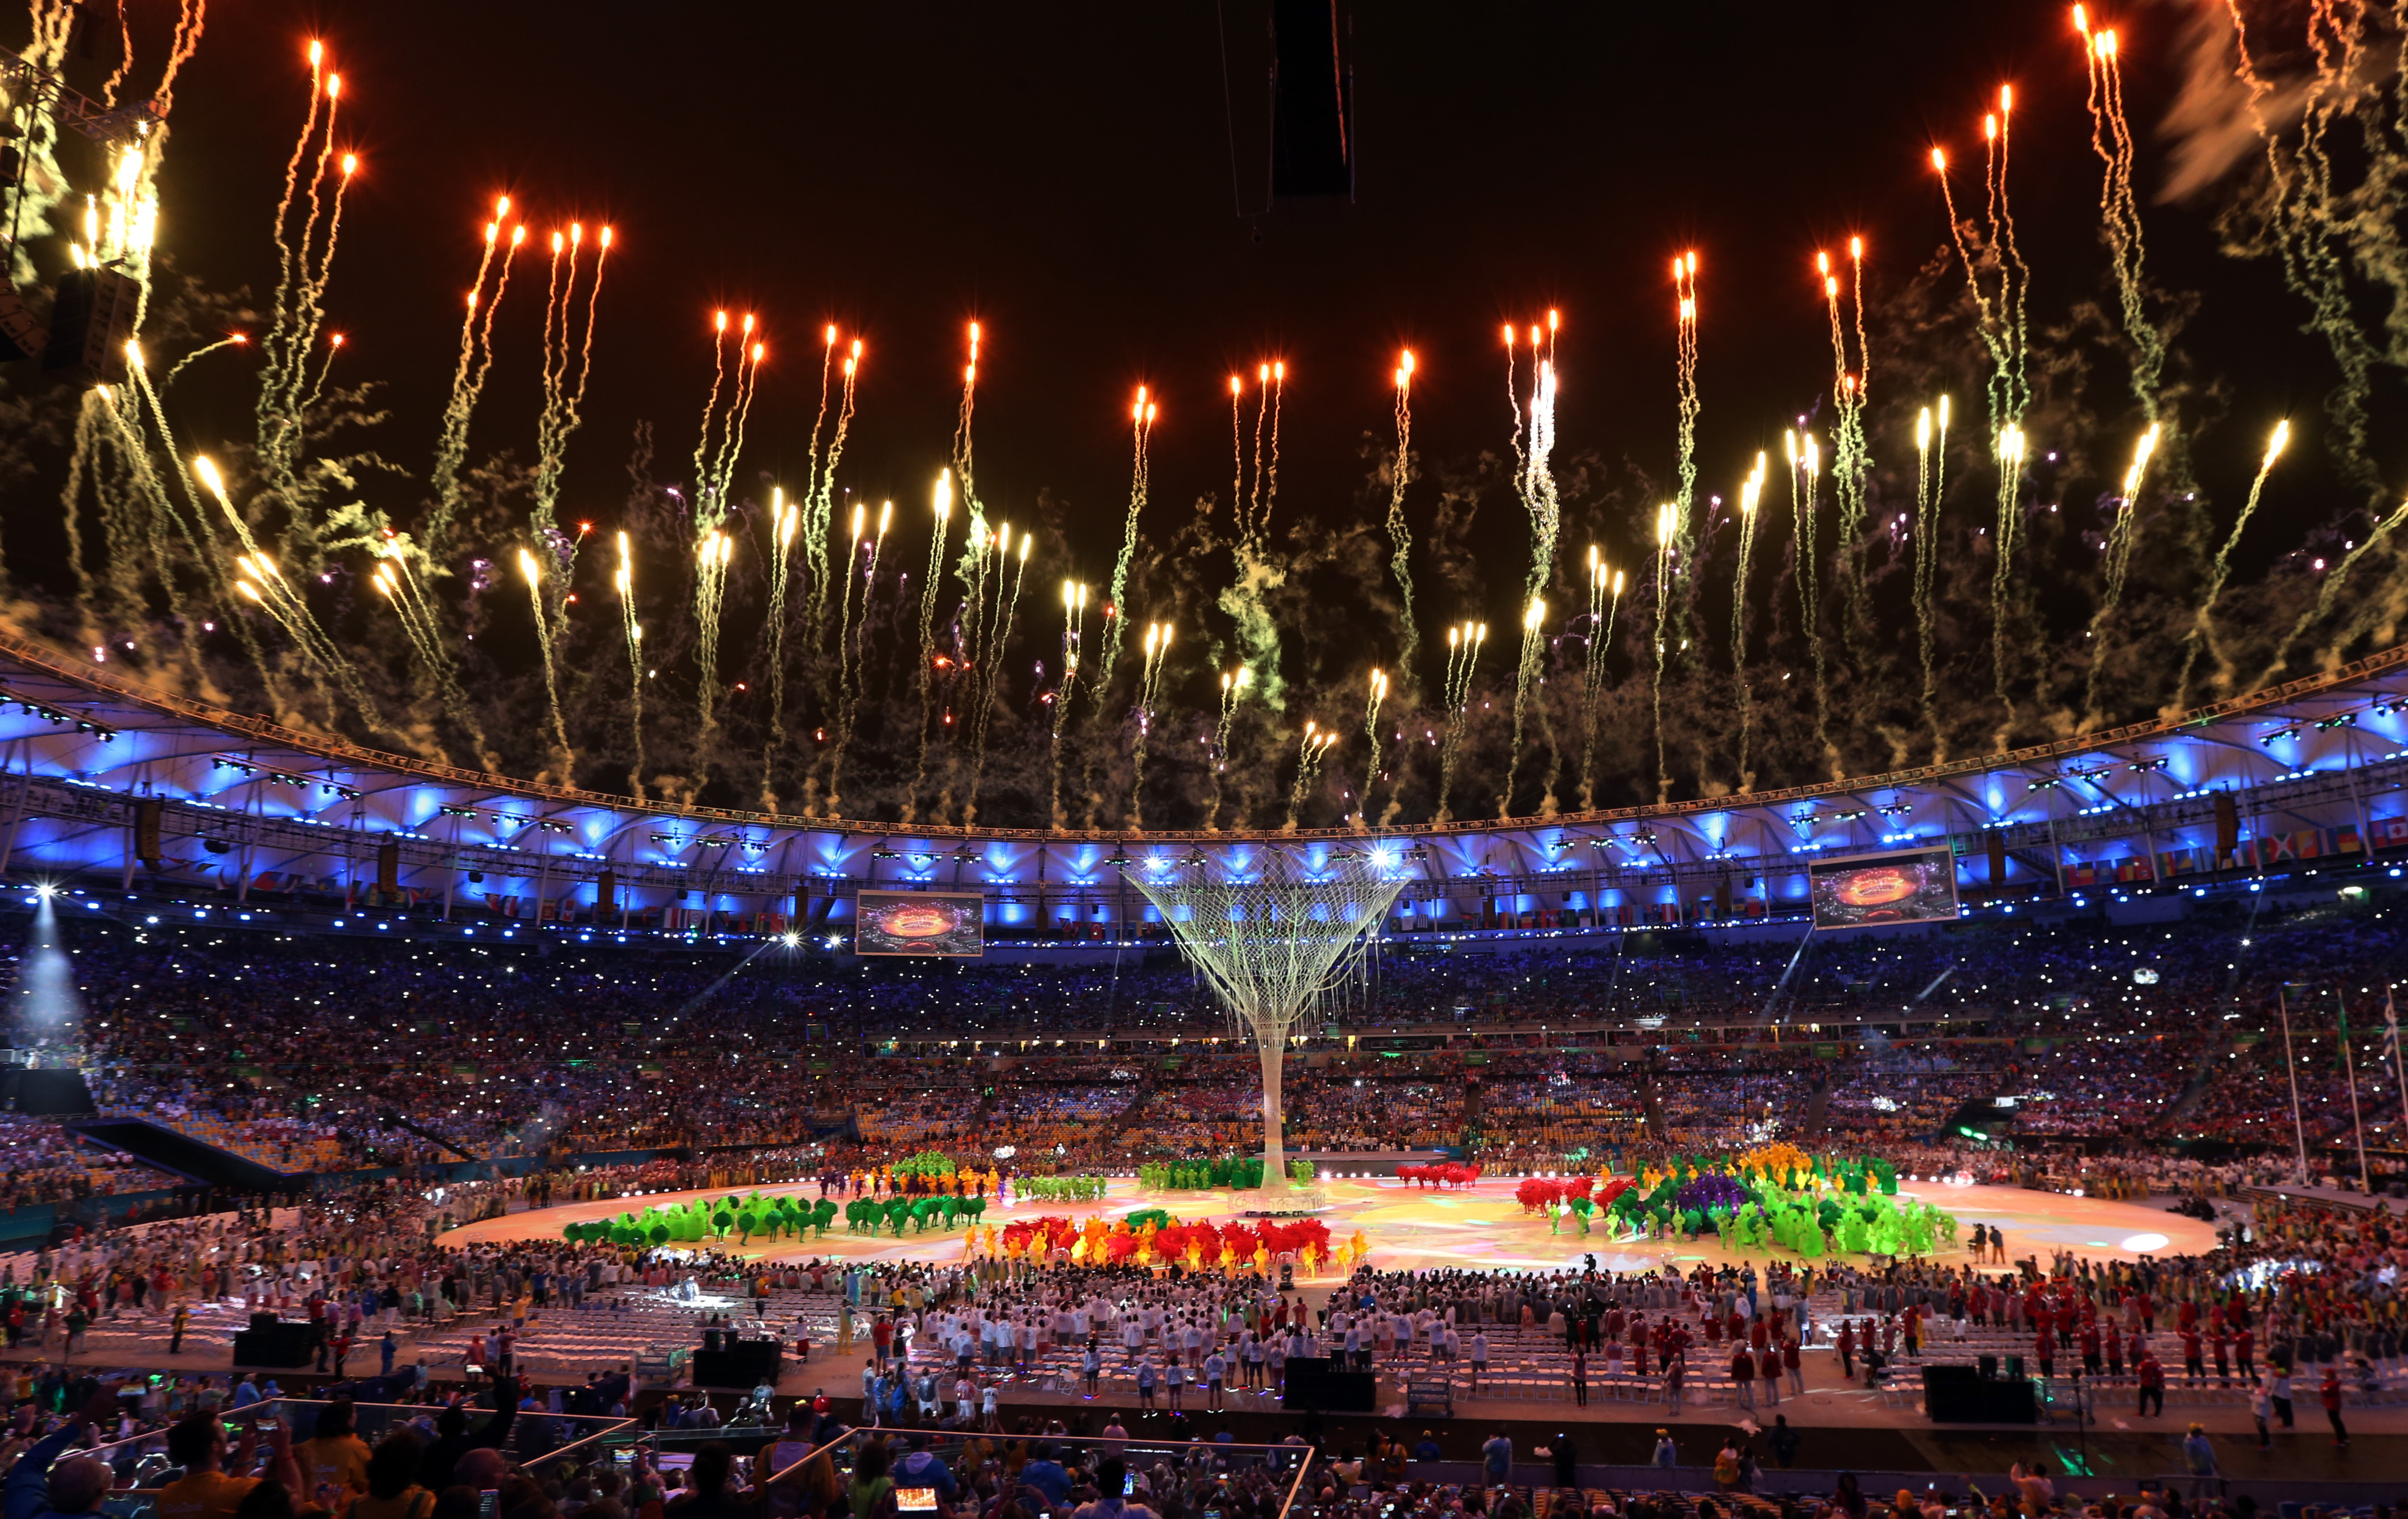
2291	1069
2349	1067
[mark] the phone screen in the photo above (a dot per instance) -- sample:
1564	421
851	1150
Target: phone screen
1129	1485
915	1499
489	1503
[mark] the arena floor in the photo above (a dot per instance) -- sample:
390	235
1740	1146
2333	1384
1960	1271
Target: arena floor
1480	1227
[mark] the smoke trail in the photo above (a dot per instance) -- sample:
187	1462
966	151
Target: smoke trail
2202	628
1065	689
928	583
625	581
1270	470
1309	753
782	538
1603	602
467	380
1141	425
1545	508
548	440
1463	645
1850	462
1400	537
1667	528
823	504
1677	528
279	310
705	515
1233	683
2120	534
989	681
851	651
2001	327
2011	464
302	315
2301	215
1157	647
2325	598
199	539
565	757
274	594
1930	468
1371	732
1751	495
2119	211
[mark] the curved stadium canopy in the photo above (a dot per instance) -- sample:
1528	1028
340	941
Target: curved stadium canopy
107	784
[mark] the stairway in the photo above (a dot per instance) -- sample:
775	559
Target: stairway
183	1154
393	1117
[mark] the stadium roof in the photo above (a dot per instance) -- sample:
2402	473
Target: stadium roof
2314	766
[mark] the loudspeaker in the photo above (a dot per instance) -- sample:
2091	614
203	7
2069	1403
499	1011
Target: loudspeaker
147	813
1998	859
1955	1395
91	319
388	869
2228	826
21	333
1311	1386
606	895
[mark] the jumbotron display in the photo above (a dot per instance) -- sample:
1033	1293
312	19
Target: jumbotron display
1910	887
931	925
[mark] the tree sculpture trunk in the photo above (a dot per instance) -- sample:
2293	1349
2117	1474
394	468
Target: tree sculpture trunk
1273	1051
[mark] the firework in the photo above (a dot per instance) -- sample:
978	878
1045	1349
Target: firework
475	360
1930	468
2119	210
2121	531
1463	645
1233	686
2011	465
624	581
1157	648
1141	415
1074	617
990	679
928	583
1850	464
1751	496
2202	628
1400	537
852	640
1379	693
533	573
1539	499
1310	752
783	525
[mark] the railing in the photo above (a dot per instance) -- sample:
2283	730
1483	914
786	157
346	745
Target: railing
142	1466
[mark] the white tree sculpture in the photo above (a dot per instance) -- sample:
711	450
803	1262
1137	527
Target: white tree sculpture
1274	929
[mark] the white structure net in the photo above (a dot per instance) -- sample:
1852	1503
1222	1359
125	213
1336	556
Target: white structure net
1274	931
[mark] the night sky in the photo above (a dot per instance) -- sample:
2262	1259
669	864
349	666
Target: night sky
1063	174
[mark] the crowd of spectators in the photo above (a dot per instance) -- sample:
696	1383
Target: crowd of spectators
321	1054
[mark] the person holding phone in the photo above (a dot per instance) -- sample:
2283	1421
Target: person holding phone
207	1490
1115	1489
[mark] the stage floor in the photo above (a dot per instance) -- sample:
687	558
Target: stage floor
1480	1227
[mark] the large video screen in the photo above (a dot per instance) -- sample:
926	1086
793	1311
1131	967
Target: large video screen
950	924
1909	886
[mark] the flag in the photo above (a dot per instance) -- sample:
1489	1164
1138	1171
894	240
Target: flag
2390	1027
2344	1004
